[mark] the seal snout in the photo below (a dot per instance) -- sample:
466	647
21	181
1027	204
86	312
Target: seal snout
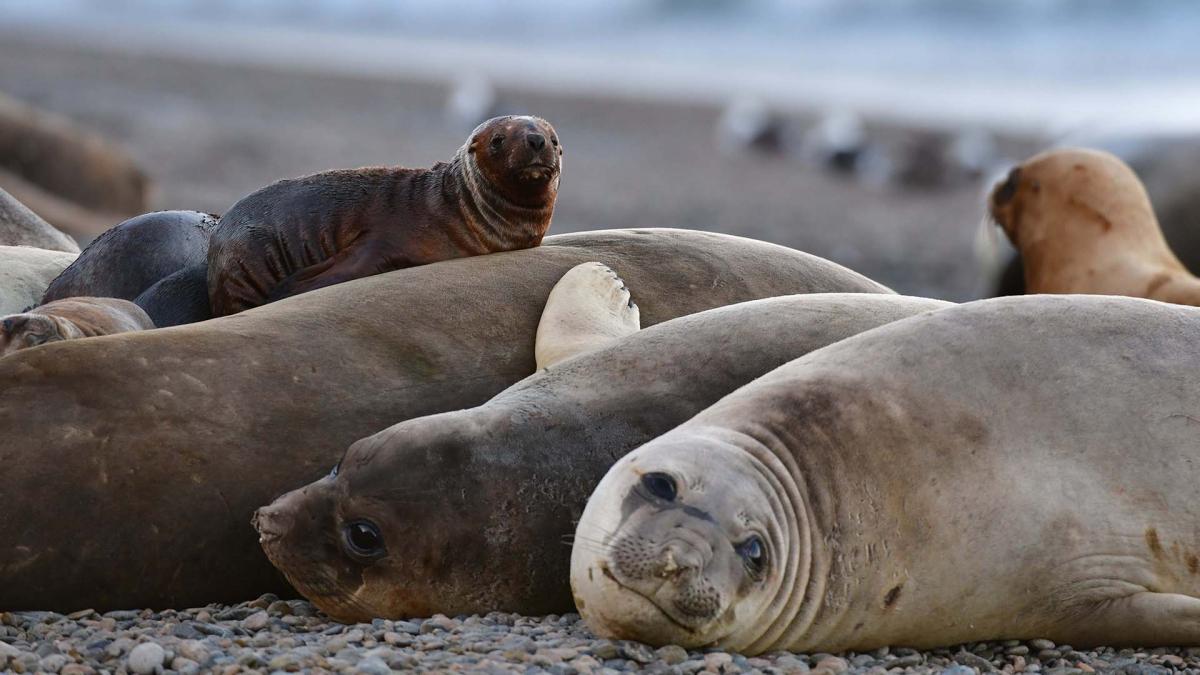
536	141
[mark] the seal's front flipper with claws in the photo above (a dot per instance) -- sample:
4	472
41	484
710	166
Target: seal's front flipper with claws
588	308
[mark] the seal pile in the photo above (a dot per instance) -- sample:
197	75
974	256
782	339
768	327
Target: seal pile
697	442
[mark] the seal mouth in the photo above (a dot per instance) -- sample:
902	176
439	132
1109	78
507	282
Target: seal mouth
674	621
538	171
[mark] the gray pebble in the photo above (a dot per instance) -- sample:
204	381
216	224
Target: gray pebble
146	658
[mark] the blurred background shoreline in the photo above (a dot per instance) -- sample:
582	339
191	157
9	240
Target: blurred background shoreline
701	114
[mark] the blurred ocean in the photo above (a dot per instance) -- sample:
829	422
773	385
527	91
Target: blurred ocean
1053	66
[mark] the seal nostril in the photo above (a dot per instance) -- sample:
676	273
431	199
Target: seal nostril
536	141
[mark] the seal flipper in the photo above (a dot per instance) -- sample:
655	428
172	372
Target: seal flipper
588	308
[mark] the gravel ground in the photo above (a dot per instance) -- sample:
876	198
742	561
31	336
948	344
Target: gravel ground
273	635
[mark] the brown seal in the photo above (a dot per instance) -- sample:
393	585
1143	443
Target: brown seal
496	194
79	181
1083	223
174	437
70	319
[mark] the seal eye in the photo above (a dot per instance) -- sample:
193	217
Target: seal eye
754	555
497	142
660	485
363	539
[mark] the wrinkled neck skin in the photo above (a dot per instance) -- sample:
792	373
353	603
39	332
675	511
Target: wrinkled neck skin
799	532
497	222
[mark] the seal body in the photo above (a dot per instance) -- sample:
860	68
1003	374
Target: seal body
72	177
24	274
885	490
294	236
473	544
70	319
134	255
178	299
21	227
1083	223
213	437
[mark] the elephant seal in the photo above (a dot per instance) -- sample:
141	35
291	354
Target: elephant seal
70	319
21	227
134	255
77	180
1083	223
174	437
24	274
496	194
373	538
885	490
178	299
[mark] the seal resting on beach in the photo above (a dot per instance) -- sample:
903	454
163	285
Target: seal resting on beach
134	255
70	319
885	490
496	194
72	177
1083	223
21	227
373	538
24	274
174	437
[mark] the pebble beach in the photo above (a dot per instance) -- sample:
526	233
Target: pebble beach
271	635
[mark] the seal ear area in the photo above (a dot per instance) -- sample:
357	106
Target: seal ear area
1004	192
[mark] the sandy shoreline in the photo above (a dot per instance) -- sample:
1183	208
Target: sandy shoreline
210	134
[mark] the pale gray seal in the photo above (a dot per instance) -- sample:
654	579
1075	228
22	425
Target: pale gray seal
1006	469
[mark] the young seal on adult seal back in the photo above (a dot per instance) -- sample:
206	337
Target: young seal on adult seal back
1083	223
377	538
215	437
885	490
496	194
70	319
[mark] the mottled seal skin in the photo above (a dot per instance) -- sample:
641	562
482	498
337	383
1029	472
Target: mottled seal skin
24	274
885	490
174	437
133	256
178	299
21	227
496	194
552	437
70	319
77	180
1083	223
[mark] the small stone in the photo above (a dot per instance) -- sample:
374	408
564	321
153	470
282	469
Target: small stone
288	662
791	665
1048	655
187	631
279	608
605	651
906	661
184	665
1172	659
8	650
75	616
123	615
1017	650
256	621
959	670
974	661
373	666
263	601
146	658
53	663
1085	667
194	650
77	669
672	654
832	664
1040	644
636	651
407	627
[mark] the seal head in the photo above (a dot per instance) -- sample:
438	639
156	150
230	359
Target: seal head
22	331
677	547
519	157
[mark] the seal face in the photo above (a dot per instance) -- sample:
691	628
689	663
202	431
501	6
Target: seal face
496	194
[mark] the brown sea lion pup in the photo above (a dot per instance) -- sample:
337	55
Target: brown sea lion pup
496	194
1083	223
174	437
70	319
79	181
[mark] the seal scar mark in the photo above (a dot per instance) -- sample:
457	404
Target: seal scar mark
892	595
1153	542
